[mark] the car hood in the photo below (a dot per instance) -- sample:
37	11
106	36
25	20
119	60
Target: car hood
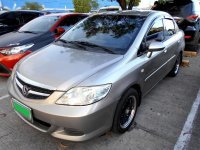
63	68
17	38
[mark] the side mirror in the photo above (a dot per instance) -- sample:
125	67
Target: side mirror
59	30
154	47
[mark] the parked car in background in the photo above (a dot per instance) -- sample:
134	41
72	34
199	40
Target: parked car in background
49	11
187	15
13	20
92	78
3	11
32	36
109	8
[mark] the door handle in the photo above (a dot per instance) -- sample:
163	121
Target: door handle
165	51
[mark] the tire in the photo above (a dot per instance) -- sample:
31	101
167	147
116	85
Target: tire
126	111
176	67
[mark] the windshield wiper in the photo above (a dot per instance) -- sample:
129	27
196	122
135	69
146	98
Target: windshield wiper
71	42
61	40
27	32
94	45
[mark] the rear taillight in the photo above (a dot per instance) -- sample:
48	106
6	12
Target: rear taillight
192	17
188	37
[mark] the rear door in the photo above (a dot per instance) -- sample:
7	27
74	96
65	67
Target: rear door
172	41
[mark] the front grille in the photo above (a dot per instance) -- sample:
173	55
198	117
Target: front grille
4	70
31	91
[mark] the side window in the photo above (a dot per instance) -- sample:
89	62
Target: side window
156	33
29	16
169	28
11	19
70	21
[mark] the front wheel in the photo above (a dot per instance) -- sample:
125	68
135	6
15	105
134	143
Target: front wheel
176	66
126	111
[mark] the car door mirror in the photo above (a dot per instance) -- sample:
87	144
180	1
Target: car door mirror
59	31
154	47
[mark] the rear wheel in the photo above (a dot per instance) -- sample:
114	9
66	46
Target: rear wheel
176	66
126	111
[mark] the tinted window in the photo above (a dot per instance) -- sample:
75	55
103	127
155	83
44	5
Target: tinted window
114	32
169	27
40	24
29	16
11	19
70	21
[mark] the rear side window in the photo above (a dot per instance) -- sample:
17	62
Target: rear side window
29	16
169	28
70	21
10	19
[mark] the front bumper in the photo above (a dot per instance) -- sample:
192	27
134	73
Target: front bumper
7	63
73	123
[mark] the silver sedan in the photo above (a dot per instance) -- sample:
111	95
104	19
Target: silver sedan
92	79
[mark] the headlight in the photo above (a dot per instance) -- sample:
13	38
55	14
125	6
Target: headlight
16	50
84	95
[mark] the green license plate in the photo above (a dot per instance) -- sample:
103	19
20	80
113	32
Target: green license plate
22	110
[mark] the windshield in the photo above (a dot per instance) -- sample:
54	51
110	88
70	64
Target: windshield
40	24
113	32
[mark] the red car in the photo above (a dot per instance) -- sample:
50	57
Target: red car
32	36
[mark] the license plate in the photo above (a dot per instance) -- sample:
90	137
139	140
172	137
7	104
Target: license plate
22	110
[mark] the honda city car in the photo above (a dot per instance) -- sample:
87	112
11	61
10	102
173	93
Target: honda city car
92	79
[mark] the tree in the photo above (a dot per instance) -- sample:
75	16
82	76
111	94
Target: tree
162	2
127	4
94	4
32	6
82	6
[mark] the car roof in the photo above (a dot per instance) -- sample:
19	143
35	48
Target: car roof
34	11
137	12
65	14
111	7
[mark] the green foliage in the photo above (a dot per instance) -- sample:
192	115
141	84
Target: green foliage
32	6
94	4
135	2
82	6
162	1
127	4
